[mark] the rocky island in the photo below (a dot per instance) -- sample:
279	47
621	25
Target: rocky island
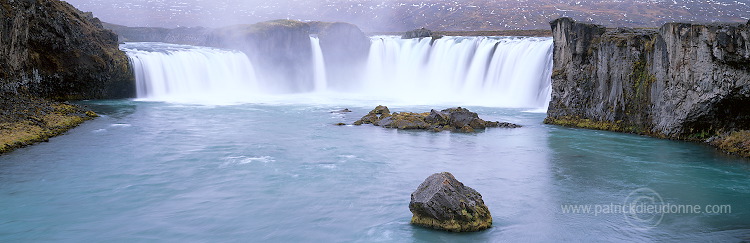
451	119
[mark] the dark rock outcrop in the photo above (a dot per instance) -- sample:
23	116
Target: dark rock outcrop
50	49
682	81
417	33
444	203
374	116
451	119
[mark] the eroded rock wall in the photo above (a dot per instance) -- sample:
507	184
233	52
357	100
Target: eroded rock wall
50	49
680	81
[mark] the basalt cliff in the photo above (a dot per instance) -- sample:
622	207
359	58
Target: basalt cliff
681	81
52	50
49	52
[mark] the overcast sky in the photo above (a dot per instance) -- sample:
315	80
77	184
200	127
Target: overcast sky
397	15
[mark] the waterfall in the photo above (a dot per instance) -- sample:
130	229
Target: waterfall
507	71
188	73
319	65
485	71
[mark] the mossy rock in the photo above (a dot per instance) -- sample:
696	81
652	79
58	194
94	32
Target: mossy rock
737	142
27	120
451	119
442	202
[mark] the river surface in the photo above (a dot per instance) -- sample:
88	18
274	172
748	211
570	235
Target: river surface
281	172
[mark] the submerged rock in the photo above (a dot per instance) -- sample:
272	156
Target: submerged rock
451	119
442	202
345	110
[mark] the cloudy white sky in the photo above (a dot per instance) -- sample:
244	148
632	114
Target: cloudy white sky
395	15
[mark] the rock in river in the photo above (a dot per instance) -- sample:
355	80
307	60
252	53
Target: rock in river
444	203
451	119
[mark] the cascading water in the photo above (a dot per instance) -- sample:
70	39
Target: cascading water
485	71
506	72
190	74
319	65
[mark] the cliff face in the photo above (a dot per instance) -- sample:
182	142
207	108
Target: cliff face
684	81
50	49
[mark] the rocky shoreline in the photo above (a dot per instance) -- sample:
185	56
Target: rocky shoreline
26	120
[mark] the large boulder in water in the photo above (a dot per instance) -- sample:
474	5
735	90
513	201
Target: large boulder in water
444	203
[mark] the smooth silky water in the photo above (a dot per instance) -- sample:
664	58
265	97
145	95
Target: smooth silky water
171	166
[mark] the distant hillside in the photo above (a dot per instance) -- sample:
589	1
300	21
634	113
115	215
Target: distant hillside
400	15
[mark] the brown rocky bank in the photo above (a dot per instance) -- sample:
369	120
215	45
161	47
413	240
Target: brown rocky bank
50	51
25	120
682	81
